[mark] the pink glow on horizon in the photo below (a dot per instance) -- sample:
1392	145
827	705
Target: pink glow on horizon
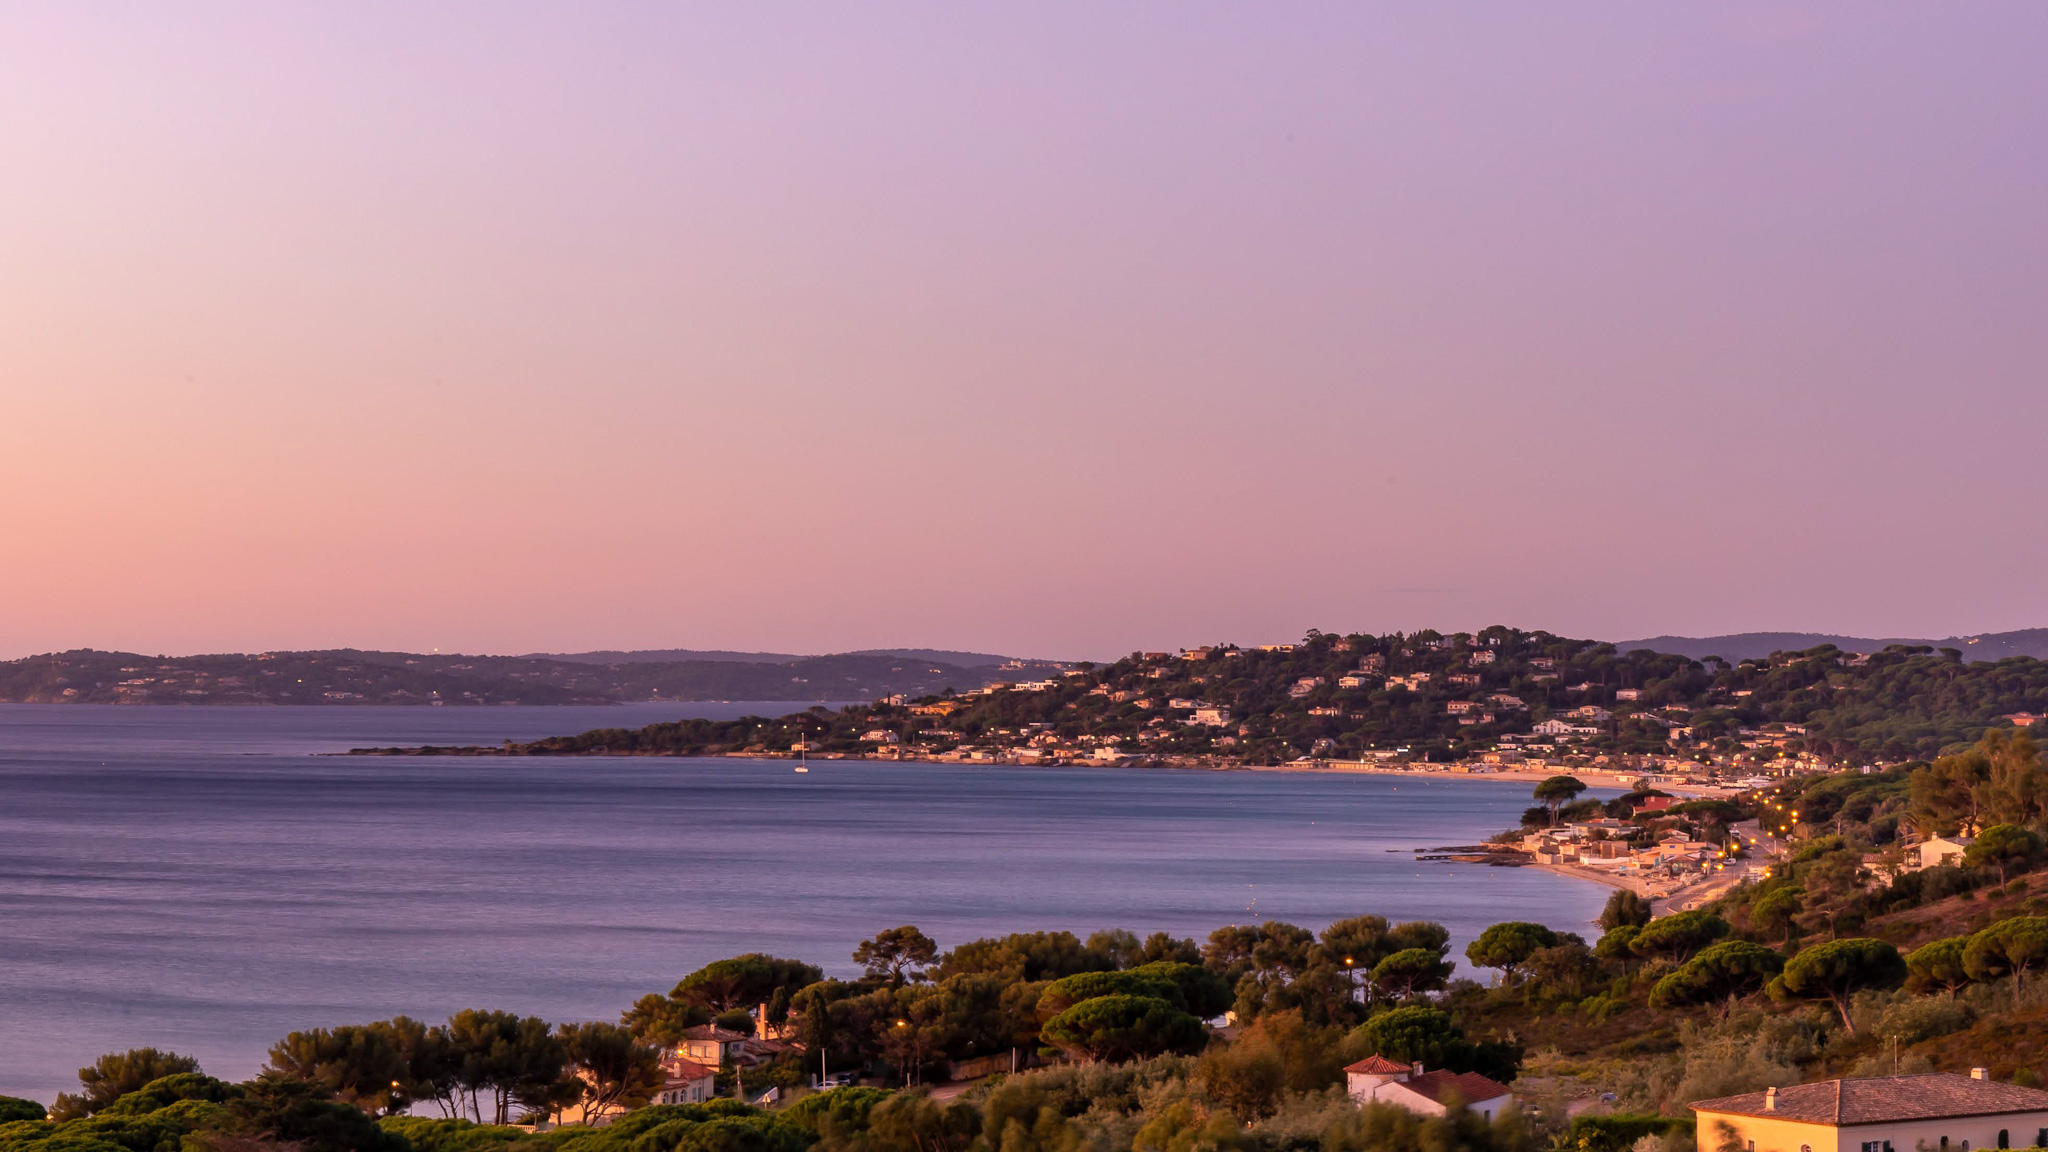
1062	331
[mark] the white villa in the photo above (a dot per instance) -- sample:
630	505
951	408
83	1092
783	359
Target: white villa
1377	1079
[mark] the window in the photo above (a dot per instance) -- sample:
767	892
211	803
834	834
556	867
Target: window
1872	1146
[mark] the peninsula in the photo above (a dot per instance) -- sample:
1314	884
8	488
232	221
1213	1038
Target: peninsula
1501	699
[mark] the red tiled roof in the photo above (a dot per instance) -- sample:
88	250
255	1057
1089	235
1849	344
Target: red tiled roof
681	1071
1377	1065
712	1032
1470	1086
1883	1099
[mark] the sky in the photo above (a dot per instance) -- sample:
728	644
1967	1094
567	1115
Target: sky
1053	329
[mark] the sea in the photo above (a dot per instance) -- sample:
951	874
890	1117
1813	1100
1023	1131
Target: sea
208	879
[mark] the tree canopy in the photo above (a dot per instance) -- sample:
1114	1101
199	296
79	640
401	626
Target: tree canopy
1721	972
1120	1027
1838	969
116	1074
896	955
1507	946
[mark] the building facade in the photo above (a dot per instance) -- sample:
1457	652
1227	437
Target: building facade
1939	1111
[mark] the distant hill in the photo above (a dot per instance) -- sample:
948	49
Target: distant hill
666	656
675	655
347	676
1749	645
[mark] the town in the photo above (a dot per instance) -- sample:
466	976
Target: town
1500	700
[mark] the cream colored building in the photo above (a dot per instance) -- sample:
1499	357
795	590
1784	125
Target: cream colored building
1938	850
1940	1112
711	1045
684	1081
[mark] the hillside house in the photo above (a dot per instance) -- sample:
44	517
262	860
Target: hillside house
1937	850
1378	1080
711	1045
684	1081
1937	1110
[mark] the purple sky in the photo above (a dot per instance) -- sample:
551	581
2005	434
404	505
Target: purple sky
1040	328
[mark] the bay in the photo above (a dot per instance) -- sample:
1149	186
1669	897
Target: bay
208	879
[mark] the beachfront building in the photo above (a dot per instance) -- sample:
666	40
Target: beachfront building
1378	1080
1937	1111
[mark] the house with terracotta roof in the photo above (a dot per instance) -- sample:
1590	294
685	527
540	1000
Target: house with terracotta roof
1939	1111
684	1081
1378	1080
712	1045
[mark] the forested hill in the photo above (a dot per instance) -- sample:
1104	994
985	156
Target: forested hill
1745	645
1424	695
354	677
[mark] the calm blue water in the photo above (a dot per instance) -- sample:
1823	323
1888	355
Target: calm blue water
201	880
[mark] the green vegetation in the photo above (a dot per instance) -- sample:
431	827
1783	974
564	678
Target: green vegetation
1839	960
1662	1011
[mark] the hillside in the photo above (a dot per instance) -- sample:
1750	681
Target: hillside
348	676
1424	696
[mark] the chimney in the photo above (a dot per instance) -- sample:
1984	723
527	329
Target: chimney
1770	1099
1418	1067
1980	1073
